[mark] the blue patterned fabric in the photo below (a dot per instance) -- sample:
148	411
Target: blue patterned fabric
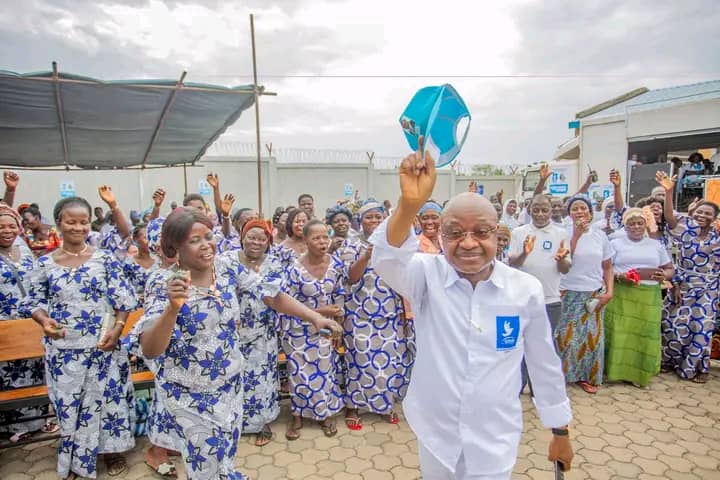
258	329
200	374
90	389
315	391
687	327
378	363
19	373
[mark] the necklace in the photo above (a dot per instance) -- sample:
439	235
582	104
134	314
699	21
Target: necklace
211	292
73	254
10	253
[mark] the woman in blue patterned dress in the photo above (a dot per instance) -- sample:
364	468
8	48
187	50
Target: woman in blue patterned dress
189	336
258	331
689	312
316	280
15	265
374	325
294	245
81	299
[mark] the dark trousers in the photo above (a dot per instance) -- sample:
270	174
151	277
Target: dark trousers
554	311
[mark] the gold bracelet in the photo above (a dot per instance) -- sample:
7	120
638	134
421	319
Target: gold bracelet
119	322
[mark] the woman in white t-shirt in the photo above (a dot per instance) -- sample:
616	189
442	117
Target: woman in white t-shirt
632	318
579	335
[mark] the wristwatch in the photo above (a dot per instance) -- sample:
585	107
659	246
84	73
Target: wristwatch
560	432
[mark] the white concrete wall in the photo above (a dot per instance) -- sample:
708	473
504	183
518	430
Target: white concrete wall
281	183
689	118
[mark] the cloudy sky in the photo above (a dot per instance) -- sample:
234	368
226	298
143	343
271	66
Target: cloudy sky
345	69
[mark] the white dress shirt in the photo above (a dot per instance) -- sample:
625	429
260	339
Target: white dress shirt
463	396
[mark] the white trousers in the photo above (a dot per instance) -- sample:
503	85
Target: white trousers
432	469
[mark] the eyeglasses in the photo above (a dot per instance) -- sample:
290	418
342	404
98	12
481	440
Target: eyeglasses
477	235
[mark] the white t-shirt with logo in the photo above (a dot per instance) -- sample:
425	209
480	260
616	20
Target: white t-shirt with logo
541	262
647	253
586	273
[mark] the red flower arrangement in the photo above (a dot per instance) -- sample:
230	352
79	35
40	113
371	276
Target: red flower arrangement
633	276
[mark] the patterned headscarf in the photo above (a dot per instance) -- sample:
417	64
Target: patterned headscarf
332	212
265	225
370	206
5	209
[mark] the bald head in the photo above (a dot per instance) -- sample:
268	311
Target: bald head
469	203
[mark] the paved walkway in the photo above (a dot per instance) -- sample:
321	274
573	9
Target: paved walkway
670	431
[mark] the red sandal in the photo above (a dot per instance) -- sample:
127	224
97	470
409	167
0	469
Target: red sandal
589	388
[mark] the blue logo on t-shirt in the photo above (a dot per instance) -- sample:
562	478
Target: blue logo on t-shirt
547	245
507	331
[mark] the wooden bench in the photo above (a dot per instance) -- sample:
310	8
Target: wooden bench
23	340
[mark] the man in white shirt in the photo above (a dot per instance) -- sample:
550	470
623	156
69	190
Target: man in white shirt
541	249
475	319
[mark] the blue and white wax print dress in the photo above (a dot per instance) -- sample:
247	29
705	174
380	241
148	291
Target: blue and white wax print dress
376	357
19	373
258	331
315	391
90	389
200	374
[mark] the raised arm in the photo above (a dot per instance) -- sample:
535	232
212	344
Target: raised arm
417	180
11	182
585	186
214	181
156	339
545	173
617	195
121	222
668	184
158	198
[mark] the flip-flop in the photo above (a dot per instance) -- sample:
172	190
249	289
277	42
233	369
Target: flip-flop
71	476
700	378
591	389
353	422
293	433
263	437
329	429
392	418
165	469
50	427
20	437
115	465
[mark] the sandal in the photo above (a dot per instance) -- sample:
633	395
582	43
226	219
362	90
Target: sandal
328	428
352	420
700	378
264	436
166	469
293	432
392	418
591	389
20	437
50	427
115	464
665	369
71	476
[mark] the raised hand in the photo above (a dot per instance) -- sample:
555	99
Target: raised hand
668	183
107	196
545	171
11	179
213	180
158	197
417	178
226	204
562	252
178	290
615	178
529	244
693	205
472	187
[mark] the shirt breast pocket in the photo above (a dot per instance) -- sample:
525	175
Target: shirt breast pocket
505	323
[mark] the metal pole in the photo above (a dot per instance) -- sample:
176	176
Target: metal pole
185	177
257	116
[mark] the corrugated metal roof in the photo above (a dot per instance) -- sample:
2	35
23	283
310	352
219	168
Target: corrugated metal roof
663	98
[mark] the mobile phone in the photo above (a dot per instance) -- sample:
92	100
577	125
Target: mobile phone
326	332
559	474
